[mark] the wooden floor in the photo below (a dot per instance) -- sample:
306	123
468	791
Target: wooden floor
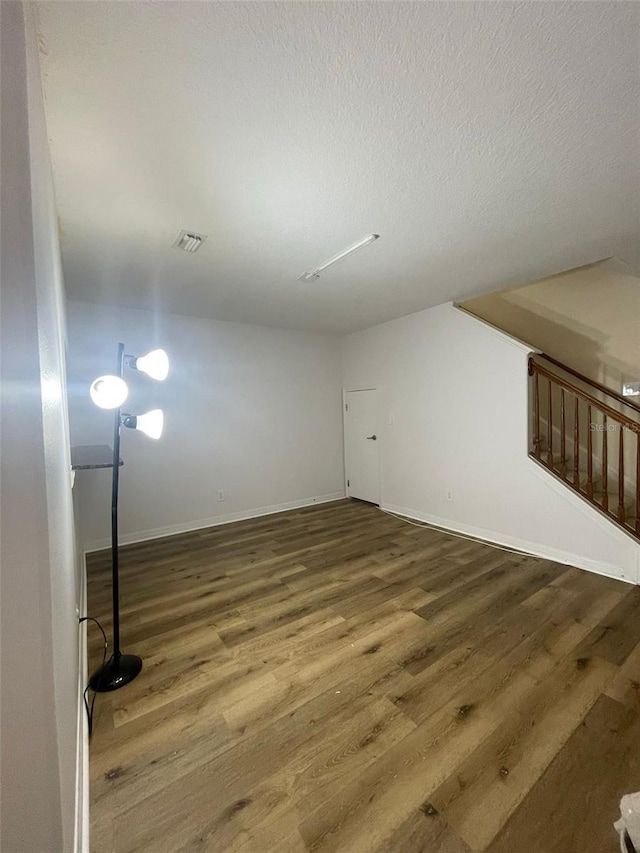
334	679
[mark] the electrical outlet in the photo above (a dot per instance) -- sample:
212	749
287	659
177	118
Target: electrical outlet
220	495
449	495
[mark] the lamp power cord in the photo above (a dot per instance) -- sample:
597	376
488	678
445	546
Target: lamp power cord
90	708
427	526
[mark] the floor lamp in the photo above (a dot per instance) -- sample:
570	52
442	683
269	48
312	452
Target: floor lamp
110	392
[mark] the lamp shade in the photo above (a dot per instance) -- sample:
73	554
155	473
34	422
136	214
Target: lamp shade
155	364
108	392
151	423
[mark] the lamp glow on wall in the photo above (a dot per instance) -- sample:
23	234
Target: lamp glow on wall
110	392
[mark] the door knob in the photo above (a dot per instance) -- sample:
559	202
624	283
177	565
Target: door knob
372	438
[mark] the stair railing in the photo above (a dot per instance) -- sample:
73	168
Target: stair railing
572	415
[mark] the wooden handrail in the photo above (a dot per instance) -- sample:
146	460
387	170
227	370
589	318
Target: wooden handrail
534	367
602	388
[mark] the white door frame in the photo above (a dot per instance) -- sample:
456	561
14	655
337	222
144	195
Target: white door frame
346	391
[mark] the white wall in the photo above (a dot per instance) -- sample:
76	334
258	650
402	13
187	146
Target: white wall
38	579
587	318
456	391
249	410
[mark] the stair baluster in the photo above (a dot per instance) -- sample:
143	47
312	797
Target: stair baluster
550	427
602	416
605	467
576	446
537	416
621	510
589	453
563	437
638	483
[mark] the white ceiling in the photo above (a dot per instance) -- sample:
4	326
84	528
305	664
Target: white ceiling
487	143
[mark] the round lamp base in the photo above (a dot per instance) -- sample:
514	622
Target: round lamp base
116	672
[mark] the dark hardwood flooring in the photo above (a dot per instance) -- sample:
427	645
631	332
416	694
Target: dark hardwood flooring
334	679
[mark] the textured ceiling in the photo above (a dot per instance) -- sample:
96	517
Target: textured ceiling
487	143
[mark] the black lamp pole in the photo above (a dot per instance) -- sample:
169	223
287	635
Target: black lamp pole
119	669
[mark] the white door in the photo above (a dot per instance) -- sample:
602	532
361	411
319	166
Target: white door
361	445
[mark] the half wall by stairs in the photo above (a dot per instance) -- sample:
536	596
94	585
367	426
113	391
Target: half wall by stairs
582	431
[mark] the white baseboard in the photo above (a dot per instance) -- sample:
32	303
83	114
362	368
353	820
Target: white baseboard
607	569
81	842
200	524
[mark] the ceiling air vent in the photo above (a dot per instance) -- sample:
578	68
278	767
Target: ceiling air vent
189	241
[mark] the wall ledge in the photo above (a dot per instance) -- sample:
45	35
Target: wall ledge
506	337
